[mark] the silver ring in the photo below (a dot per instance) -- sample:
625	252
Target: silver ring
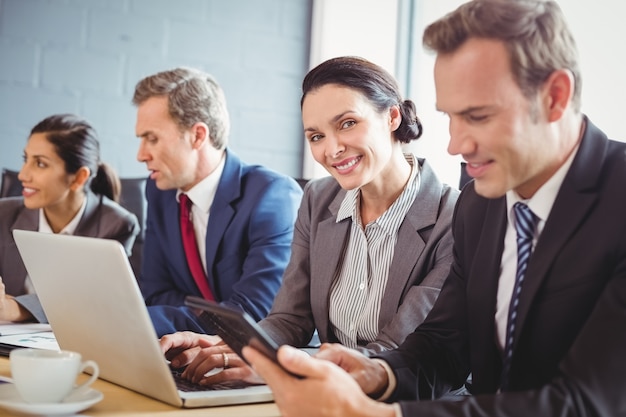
225	356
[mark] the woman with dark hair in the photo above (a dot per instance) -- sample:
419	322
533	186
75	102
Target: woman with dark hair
66	189
372	244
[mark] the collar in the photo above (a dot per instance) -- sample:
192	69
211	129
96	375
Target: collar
542	201
69	228
203	193
350	204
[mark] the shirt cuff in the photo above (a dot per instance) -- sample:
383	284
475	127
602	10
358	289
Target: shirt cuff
391	384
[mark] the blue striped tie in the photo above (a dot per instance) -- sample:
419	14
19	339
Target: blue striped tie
525	222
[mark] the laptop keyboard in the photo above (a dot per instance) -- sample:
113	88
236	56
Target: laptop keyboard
187	386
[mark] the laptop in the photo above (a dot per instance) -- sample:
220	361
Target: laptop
93	303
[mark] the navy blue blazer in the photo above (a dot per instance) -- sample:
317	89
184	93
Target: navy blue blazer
247	244
568	358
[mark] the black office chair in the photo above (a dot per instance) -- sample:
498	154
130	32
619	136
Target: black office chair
301	181
133	199
10	185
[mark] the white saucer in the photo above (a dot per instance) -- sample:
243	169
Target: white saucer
11	400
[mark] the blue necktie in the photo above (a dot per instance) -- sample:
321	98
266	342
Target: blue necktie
525	222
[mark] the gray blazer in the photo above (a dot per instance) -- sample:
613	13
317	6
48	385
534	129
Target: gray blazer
102	218
421	262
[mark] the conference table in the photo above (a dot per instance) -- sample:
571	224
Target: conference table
119	401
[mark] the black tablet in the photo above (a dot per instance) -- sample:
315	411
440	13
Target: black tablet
235	327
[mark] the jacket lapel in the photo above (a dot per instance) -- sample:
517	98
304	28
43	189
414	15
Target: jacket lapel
410	245
328	248
27	220
228	190
575	198
88	225
483	270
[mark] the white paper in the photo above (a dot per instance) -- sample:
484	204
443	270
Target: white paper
21	328
40	340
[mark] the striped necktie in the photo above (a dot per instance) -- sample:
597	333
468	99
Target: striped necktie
525	223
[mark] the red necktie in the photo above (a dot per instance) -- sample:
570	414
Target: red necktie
191	248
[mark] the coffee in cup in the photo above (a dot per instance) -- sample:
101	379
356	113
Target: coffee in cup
48	376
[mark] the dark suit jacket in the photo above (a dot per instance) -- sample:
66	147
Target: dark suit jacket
570	334
421	262
102	218
247	244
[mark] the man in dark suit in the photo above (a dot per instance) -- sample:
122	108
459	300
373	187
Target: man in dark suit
242	216
534	308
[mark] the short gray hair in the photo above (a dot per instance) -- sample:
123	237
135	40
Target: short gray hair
193	96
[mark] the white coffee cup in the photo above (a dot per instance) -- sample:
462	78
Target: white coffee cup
48	376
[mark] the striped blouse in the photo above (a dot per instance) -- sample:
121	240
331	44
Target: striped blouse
361	277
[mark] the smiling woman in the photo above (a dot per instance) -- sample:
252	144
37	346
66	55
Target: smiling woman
372	243
65	189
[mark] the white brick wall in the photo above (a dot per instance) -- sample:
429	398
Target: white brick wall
85	56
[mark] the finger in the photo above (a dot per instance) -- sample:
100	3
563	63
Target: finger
179	358
265	367
175	344
324	346
206	361
300	363
238	370
174	341
168	345
209	341
329	351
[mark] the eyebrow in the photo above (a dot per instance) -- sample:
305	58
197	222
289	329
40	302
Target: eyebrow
333	120
468	110
146	133
38	156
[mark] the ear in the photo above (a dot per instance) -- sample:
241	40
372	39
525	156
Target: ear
558	91
395	118
80	178
200	134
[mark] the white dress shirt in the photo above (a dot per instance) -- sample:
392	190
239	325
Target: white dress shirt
202	195
541	205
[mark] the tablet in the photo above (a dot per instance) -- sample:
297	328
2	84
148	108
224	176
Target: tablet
235	327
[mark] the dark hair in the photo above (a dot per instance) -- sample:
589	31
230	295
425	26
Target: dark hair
376	84
76	143
534	32
193	96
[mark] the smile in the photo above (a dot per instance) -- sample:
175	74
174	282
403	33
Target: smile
348	164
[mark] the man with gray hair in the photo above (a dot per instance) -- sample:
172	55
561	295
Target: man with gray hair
217	228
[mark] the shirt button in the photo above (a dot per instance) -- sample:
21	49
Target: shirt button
361	286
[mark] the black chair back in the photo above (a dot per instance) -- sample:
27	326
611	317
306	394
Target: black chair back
10	185
133	199
301	181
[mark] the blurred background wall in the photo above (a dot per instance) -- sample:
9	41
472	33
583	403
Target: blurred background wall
85	57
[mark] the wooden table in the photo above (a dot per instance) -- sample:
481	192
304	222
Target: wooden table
119	401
